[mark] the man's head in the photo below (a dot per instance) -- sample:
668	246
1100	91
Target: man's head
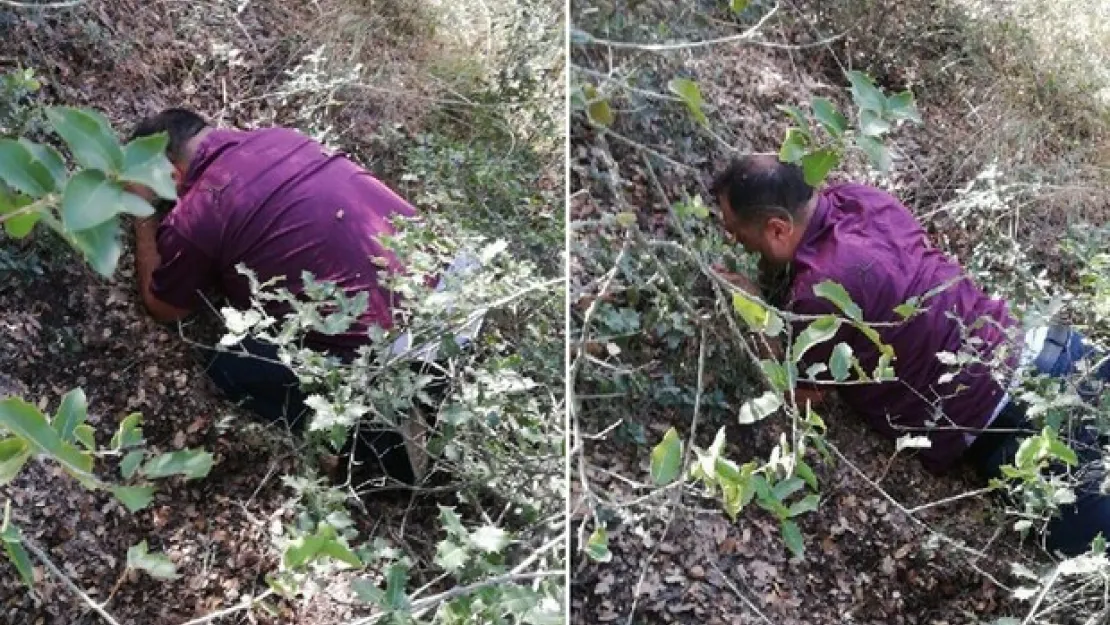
766	205
184	128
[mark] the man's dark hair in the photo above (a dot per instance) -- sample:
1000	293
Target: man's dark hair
180	124
759	187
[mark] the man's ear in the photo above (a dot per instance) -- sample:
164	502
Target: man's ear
779	229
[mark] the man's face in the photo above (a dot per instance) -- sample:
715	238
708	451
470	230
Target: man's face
773	239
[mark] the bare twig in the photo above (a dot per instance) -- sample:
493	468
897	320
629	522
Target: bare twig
246	604
897	504
745	36
66	581
45	5
743	597
1040	597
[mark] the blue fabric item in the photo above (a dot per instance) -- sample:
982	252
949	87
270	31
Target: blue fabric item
259	381
1077	525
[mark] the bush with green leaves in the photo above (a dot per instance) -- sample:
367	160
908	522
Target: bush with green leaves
83	205
496	429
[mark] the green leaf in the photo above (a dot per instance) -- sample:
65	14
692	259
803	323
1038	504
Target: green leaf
876	152
883	370
866	95
13	546
792	536
157	565
306	549
597	548
21	225
89	136
799	118
135	498
902	106
452	523
806	504
85	435
26	421
766	499
907	309
841	361
776	374
129	433
805	472
1060	450
691	95
451	556
784	489
90	199
759	408
838	295
738	6
793	146
490	539
818	331
302	550
100	246
758	317
20	170
396	578
340	552
71	413
871	125
817	165
1098	545
50	159
666	459
833	121
14	453
192	463
368	592
145	163
600	113
131	462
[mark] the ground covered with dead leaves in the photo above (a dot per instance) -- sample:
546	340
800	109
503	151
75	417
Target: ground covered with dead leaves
868	559
65	327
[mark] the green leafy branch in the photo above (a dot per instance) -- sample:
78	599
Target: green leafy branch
66	439
84	205
877	114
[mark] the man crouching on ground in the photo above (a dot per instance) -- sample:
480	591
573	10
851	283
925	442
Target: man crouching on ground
868	242
277	202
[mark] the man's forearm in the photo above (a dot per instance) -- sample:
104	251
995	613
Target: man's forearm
146	254
147	260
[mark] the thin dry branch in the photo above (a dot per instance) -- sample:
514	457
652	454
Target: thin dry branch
40	554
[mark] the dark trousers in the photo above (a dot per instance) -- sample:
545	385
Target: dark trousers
1077	525
269	389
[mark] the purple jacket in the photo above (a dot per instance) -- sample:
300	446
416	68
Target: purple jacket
867	241
276	202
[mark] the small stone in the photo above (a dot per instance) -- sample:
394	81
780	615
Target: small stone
697	572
